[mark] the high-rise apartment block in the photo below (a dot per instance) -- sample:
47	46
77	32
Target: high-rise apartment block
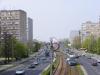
30	29
14	22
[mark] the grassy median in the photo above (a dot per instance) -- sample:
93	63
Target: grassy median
47	72
54	66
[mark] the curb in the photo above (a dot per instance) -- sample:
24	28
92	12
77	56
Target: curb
83	69
13	66
7	68
54	59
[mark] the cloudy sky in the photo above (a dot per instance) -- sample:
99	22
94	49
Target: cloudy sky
55	18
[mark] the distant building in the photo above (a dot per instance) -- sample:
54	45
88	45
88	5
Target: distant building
30	29
14	22
89	28
73	34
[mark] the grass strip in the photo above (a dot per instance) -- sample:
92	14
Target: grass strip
54	66
47	72
80	70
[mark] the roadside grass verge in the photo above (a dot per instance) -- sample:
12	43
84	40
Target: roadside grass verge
80	70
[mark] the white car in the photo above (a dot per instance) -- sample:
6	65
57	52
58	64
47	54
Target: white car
67	59
72	56
35	63
98	60
20	72
83	54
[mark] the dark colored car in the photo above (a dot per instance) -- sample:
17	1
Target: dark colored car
32	66
94	63
77	56
72	62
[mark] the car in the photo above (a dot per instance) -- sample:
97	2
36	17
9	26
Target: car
89	57
83	54
67	59
94	64
98	60
43	58
72	62
35	63
76	56
20	72
32	66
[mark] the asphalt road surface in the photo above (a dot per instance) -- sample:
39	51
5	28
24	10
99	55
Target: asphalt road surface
91	70
35	71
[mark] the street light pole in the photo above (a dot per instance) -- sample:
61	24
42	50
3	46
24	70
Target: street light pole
51	47
54	46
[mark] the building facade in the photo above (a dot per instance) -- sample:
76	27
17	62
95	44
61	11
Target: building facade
89	28
15	23
30	29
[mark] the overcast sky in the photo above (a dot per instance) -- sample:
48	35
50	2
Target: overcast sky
55	18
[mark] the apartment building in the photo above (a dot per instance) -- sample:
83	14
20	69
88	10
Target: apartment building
14	22
90	28
30	29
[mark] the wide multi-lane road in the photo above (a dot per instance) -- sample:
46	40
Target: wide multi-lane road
87	64
86	61
30	71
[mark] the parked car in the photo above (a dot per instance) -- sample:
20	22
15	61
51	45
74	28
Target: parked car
20	72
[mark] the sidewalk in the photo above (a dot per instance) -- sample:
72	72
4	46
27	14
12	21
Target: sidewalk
13	64
5	67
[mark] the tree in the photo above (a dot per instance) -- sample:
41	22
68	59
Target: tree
7	49
90	44
98	46
85	43
6	46
0	42
76	42
12	48
30	46
20	50
66	42
36	46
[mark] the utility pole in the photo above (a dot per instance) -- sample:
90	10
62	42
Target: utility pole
51	47
54	47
